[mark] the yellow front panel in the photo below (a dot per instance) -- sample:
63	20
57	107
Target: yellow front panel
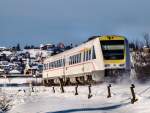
113	37
114	61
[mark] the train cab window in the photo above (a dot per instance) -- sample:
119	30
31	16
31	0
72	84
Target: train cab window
93	53
113	49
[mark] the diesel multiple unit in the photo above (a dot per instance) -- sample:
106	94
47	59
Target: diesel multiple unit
94	60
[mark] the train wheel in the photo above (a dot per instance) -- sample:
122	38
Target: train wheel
67	82
77	80
51	82
45	83
82	80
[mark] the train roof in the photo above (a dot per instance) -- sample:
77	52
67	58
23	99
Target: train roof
89	40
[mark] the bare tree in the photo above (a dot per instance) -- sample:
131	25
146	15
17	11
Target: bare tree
137	44
147	39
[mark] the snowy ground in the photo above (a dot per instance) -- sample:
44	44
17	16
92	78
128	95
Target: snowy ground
43	100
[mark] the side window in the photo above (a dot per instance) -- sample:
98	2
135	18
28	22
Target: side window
90	54
64	61
55	64
44	66
60	63
69	60
84	56
87	55
79	57
47	65
73	59
93	53
52	65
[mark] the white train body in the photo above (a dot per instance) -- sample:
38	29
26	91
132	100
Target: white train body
84	60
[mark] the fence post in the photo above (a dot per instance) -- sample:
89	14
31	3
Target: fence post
133	99
109	92
89	95
53	89
61	85
76	90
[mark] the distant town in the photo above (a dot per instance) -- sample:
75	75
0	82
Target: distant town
28	61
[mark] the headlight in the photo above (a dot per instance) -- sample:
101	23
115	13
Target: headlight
121	65
107	65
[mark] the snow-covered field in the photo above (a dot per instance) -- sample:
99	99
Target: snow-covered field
43	100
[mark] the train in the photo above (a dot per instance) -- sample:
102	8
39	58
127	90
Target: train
96	60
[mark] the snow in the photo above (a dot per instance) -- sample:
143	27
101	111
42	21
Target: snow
43	100
35	52
1	70
14	72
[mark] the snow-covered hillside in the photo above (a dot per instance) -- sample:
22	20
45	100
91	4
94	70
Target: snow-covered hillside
43	100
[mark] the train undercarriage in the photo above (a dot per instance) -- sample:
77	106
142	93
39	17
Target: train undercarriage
109	75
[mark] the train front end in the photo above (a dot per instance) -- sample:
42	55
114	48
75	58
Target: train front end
116	55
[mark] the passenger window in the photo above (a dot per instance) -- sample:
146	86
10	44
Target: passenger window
90	54
86	55
93	53
47	66
63	62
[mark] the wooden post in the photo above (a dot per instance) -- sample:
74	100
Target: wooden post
61	85
133	99
53	89
76	90
89	95
109	92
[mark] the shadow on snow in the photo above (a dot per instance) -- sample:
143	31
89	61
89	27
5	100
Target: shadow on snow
90	109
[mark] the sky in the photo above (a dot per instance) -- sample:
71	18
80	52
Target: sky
71	21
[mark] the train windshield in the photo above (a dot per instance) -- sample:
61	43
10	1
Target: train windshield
113	49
